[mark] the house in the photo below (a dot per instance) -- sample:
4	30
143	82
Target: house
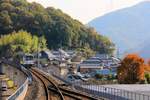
76	59
64	53
47	54
61	54
106	72
89	66
100	64
102	56
72	53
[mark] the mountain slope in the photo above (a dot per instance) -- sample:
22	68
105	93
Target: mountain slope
128	28
60	30
145	51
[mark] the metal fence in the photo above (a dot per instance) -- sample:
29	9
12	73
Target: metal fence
110	93
106	92
20	90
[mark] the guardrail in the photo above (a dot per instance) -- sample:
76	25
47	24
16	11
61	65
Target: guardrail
106	92
21	68
19	91
110	93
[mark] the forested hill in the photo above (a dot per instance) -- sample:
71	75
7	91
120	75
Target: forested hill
59	29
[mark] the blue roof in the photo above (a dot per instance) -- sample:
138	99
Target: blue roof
105	72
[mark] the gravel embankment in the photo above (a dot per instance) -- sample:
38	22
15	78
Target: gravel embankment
35	91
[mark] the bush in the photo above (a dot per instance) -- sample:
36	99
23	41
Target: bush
21	41
99	76
147	77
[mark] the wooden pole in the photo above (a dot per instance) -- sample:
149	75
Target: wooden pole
1	68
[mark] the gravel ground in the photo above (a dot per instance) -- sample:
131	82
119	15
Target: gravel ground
52	69
14	74
35	91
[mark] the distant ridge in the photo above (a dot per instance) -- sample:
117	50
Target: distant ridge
129	28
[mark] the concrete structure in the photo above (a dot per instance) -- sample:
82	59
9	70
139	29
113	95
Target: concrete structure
72	68
20	93
16	77
1	68
63	70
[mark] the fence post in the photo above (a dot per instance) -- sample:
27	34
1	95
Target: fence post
102	91
135	96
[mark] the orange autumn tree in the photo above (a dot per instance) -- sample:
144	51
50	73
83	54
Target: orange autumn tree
131	69
147	66
149	62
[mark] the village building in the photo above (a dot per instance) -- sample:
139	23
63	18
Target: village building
100	64
89	66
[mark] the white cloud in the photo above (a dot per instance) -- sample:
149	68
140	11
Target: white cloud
85	10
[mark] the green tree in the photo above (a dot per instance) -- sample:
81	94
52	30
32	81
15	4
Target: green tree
21	41
59	29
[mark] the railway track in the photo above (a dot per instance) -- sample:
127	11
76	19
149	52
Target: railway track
63	92
50	85
46	82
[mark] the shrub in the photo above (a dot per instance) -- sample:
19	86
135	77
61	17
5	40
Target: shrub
99	76
147	77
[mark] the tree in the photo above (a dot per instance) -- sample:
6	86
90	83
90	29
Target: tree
85	52
21	41
59	29
131	69
149	62
147	66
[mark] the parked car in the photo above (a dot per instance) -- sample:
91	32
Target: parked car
73	78
82	77
87	75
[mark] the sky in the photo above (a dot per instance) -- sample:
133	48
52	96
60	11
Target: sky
86	10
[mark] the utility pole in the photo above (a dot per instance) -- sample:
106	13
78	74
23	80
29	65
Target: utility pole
1	79
38	62
39	46
1	68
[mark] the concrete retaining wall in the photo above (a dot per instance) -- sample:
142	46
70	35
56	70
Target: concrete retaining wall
20	93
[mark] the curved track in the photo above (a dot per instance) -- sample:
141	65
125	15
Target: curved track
46	82
47	97
64	93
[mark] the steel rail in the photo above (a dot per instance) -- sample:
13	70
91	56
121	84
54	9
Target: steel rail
64	91
51	82
44	84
